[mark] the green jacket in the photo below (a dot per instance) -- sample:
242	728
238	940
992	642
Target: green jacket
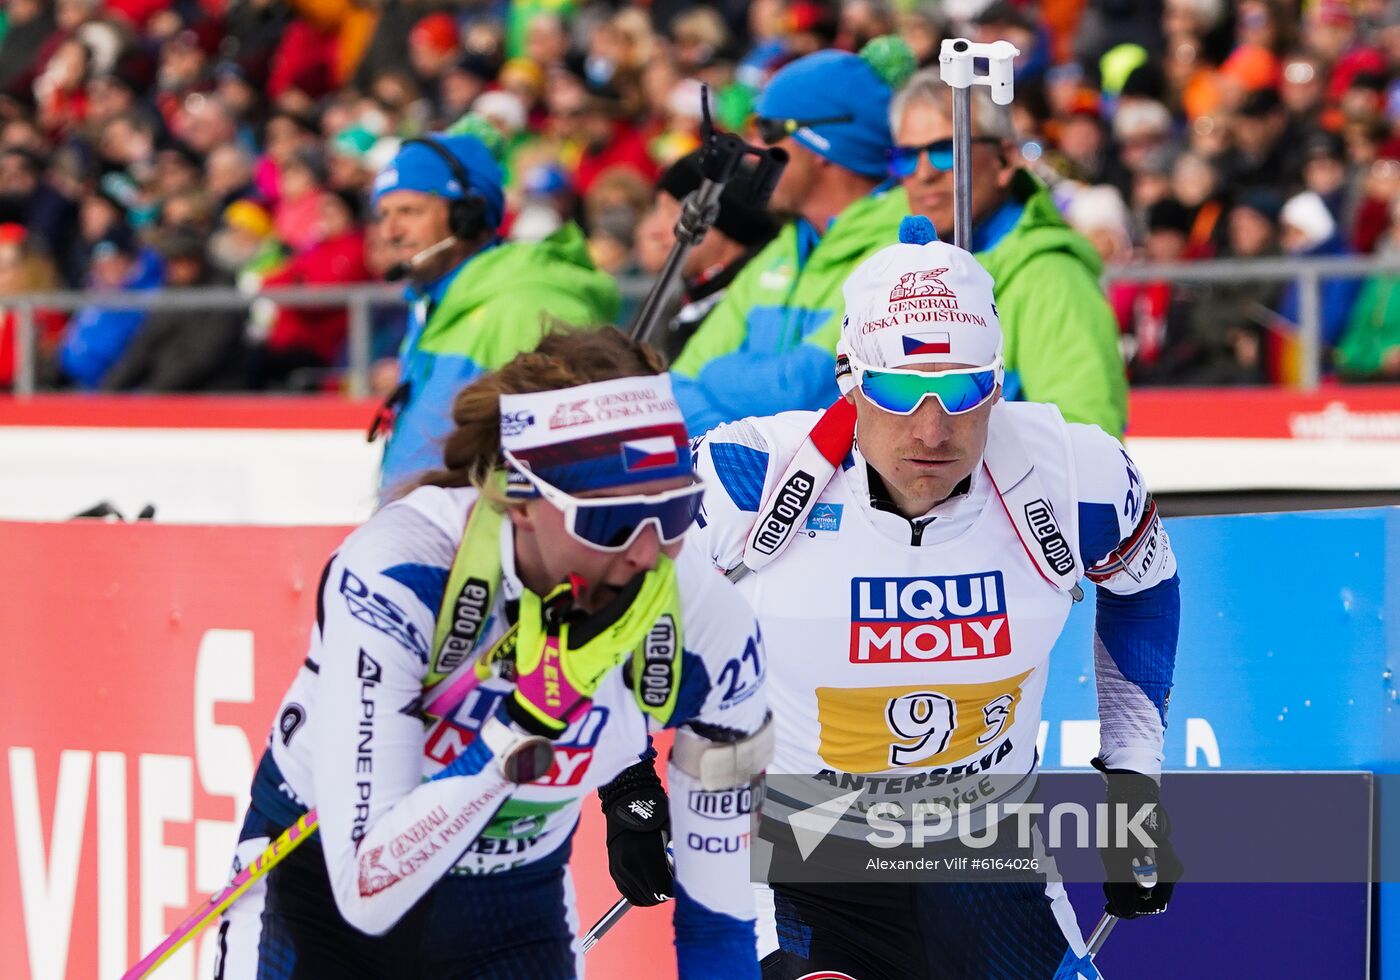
498	305
1372	331
770	345
1060	335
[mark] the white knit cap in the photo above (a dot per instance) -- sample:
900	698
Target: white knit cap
1309	214
920	302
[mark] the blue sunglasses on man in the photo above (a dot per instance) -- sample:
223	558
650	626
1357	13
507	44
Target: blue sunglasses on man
904	160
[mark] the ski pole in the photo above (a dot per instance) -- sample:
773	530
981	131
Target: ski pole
219	901
956	68
1100	934
613	915
600	928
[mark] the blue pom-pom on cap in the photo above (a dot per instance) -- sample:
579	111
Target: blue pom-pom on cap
915	229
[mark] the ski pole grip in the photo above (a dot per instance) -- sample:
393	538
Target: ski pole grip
956	68
766	174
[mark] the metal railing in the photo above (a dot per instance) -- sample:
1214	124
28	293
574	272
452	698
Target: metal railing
360	300
1307	273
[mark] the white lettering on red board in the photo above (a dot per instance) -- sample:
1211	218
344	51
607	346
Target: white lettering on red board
49	857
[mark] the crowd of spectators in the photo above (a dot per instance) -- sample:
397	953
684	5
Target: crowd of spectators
149	144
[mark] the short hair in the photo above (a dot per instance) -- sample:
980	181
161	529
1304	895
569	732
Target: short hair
928	88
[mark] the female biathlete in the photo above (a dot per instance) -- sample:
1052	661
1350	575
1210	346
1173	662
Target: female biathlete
543	565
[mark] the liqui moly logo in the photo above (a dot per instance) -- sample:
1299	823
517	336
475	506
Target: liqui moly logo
939	617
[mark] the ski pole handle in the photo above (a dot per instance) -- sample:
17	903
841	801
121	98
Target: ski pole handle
956	68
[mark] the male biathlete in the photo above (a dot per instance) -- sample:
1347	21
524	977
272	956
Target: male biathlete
544	563
912	554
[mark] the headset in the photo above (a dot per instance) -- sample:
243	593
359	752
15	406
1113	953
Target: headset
466	215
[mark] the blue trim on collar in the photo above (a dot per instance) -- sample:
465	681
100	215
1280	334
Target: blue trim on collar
990	232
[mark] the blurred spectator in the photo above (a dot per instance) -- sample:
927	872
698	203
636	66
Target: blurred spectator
184	69
1140	129
178	168
613	207
98	335
27	199
477	302
108	96
24	269
299	199
1082	142
305	341
60	91
546	41
608	140
781	316
1369	349
28	25
100	216
228	174
921	30
548	202
699	36
286	133
433	47
347	164
174	350
1061	336
1268	153
1155	314
245	249
1224	345
191	210
1308	230
462	83
740	231
1380	187
1302	88
1325	173
1196	186
1099	214
204	123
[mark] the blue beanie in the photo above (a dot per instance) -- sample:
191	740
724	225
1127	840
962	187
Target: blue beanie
830	84
417	168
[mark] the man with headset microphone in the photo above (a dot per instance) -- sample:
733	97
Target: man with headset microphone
476	302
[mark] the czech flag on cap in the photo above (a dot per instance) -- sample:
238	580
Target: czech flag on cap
927	343
648	454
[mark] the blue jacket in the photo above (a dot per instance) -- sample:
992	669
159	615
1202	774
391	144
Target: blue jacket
98	335
1337	298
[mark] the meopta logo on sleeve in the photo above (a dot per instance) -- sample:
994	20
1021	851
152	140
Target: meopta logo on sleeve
940	617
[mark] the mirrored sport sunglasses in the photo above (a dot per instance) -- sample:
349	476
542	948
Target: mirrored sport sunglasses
904	160
773	131
902	391
611	524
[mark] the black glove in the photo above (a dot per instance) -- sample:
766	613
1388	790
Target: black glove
1129	868
639	828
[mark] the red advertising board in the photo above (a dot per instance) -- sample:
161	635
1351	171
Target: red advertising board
1332	412
143	664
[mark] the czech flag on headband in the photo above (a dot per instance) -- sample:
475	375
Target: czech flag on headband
654	452
927	343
